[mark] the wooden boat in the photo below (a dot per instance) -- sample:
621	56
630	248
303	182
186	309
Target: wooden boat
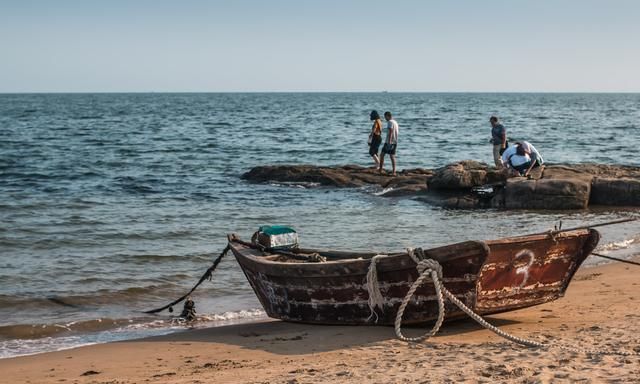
488	276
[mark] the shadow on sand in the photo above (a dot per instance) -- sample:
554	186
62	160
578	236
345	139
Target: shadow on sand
284	338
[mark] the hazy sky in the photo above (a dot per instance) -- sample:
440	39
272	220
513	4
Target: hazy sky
324	45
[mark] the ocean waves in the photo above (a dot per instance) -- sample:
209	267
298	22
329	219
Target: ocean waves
26	339
92	299
36	331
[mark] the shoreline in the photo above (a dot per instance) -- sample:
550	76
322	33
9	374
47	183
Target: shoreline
126	329
601	310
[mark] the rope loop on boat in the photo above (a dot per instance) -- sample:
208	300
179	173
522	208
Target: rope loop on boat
376	300
431	268
427	268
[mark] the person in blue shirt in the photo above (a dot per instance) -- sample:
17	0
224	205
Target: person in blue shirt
498	139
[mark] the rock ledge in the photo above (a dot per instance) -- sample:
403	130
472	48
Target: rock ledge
470	184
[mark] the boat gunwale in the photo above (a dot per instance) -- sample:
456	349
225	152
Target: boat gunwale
538	236
359	257
351	262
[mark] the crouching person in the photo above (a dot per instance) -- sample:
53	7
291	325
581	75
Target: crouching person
521	158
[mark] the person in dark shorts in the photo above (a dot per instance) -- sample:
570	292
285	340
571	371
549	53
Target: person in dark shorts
391	143
522	158
375	137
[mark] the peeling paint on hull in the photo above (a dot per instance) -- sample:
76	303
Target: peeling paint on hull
490	277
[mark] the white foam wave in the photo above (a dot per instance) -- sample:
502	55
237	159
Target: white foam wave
295	184
385	190
133	330
248	314
619	245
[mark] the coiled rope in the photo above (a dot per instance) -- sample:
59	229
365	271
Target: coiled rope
431	268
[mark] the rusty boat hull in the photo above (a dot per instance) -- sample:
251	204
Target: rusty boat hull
488	276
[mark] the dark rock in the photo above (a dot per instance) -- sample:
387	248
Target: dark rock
370	178
497	201
605	170
455	185
404	181
405	186
463	202
606	191
352	167
342	177
461	175
520	193
417	171
563	172
334	177
465	174
407	190
451	200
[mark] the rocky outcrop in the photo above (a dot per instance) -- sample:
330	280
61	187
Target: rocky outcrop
609	191
465	174
470	184
333	177
409	181
454	201
555	194
406	185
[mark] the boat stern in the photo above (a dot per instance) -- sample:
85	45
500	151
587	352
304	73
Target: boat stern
531	270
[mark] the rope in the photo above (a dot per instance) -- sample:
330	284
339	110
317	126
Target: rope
313	258
559	230
431	268
373	288
207	275
616	259
316	258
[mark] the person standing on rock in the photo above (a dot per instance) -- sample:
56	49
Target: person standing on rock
498	139
391	143
375	137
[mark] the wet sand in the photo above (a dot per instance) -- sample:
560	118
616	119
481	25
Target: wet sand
600	310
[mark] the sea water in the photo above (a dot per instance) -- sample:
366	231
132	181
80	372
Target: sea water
113	204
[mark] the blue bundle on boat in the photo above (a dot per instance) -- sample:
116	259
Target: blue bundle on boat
277	236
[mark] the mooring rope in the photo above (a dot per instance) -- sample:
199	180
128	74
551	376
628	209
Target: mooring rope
620	221
431	268
615	259
426	268
207	275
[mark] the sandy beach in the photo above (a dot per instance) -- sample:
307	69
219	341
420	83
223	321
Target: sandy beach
601	310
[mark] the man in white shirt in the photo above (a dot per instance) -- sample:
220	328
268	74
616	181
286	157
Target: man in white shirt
391	143
522	157
515	161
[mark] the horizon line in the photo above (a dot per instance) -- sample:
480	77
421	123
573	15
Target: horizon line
319	92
